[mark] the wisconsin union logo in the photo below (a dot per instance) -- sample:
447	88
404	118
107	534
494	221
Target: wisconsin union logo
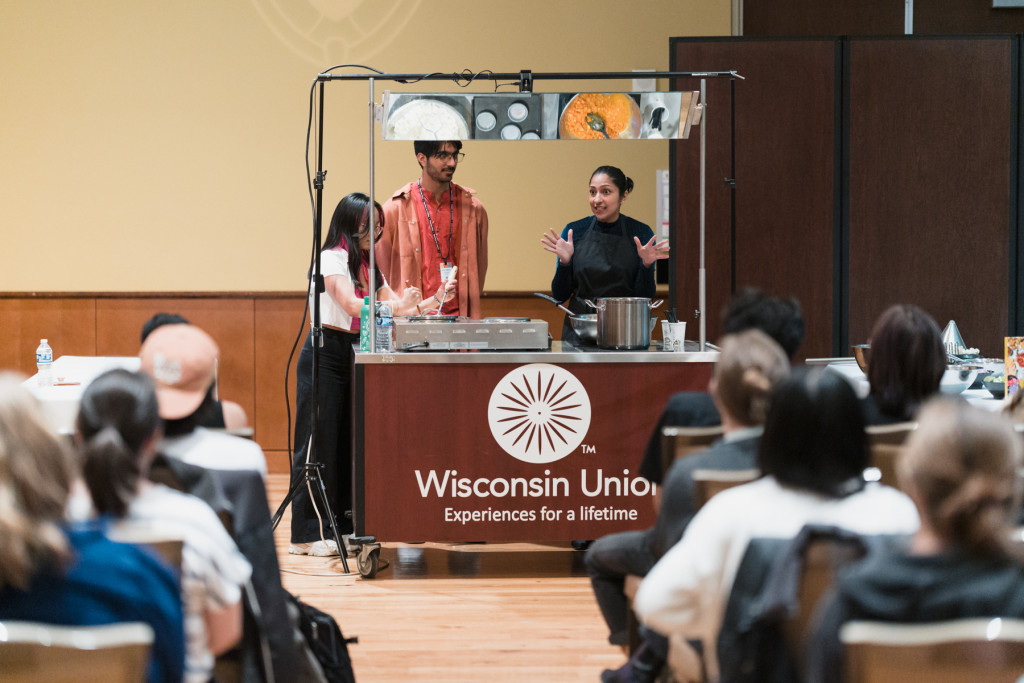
539	413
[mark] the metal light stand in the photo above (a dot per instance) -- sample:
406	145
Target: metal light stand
701	272
525	79
368	549
311	476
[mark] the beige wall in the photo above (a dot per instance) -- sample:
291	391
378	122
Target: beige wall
159	146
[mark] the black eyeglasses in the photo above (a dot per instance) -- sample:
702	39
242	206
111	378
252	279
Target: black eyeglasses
445	156
364	232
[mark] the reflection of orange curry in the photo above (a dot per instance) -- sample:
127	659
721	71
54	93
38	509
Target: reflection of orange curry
614	109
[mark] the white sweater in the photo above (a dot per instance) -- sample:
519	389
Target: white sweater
686	592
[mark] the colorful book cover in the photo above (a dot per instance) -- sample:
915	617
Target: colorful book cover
1014	363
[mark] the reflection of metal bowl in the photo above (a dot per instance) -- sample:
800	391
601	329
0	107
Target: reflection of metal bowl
585	326
611	107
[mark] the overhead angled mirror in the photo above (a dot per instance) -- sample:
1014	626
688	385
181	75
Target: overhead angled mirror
539	116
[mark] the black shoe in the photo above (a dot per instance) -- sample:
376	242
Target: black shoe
581	545
643	667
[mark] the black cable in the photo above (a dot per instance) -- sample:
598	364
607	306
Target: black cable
462	79
305	305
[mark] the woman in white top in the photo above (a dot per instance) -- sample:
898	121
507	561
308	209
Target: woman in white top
344	263
118	428
813	453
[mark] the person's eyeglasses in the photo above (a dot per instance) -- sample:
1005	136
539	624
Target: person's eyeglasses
364	231
445	156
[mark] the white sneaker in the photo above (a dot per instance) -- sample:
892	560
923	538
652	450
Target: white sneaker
316	549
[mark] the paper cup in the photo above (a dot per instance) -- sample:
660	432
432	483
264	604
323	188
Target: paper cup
673	335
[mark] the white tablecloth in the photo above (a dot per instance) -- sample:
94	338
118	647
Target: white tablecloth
71	374
852	372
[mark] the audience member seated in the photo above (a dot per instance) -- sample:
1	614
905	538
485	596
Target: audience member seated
220	414
117	431
960	468
813	453
56	572
905	366
749	309
182	360
749	366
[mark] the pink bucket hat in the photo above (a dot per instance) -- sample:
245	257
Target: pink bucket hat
182	360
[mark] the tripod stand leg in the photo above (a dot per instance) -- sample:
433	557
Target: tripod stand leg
292	492
321	491
311	475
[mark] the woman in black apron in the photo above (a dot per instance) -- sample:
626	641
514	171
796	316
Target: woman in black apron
605	254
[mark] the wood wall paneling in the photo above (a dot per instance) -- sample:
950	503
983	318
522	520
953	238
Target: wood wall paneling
228	320
69	325
254	331
930	139
785	180
824	17
278	323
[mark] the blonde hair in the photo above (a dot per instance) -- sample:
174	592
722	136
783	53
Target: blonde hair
962	462
750	365
36	472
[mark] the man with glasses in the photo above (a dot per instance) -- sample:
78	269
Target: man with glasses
432	225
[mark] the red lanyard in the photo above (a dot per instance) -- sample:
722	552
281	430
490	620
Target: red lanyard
451	218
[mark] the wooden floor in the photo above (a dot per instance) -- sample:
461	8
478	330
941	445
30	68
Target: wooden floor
482	613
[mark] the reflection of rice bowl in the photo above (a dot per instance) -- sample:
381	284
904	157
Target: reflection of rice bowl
427	120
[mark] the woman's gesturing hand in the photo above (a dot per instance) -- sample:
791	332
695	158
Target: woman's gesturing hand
552	242
651	252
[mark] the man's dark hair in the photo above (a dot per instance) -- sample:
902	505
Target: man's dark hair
431	147
199	417
159	320
780	319
814	435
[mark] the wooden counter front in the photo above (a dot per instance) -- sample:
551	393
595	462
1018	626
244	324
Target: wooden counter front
429	467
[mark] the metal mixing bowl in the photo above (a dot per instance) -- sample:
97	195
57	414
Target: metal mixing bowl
585	326
862	352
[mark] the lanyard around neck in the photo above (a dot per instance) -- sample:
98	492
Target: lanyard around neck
451	218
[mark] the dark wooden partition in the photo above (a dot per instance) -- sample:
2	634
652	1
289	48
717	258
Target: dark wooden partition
785	147
931	132
823	17
868	171
764	18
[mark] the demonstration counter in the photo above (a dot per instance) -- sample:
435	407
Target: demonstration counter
510	446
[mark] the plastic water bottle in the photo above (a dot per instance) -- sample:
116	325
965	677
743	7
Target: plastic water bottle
365	325
385	328
44	364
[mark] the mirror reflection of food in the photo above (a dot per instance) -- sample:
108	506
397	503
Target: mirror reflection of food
427	120
616	109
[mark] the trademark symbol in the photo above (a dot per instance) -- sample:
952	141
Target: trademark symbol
589	449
